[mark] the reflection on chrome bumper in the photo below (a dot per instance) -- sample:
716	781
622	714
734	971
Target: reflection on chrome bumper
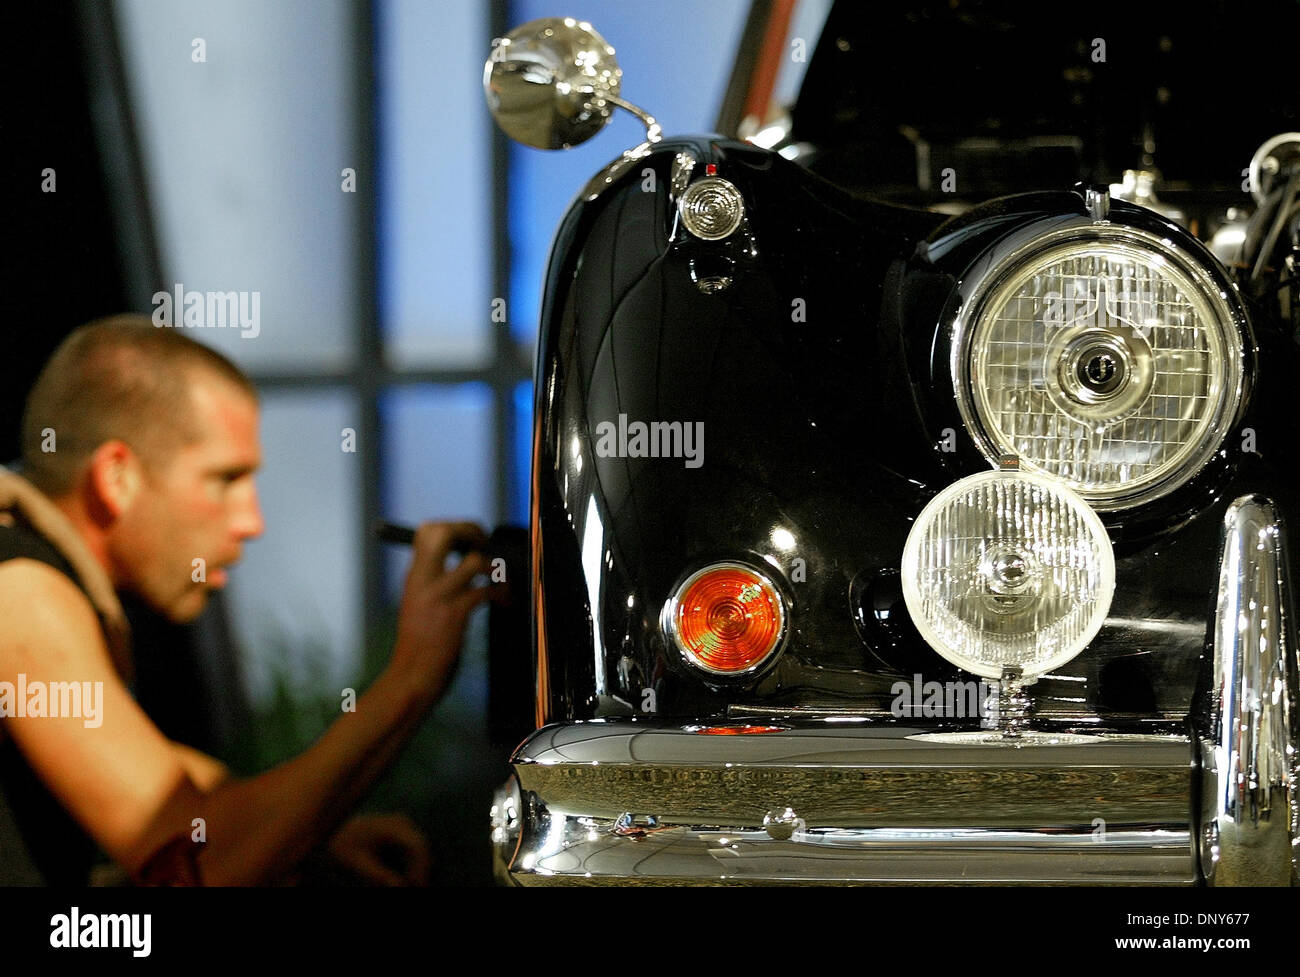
614	802
1248	737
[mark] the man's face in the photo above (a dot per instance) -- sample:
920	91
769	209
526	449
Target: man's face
193	511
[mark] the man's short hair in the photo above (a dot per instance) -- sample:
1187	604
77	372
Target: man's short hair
120	378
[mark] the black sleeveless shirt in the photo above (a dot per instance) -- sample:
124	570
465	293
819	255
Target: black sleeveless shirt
40	843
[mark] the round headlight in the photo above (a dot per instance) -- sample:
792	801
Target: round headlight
1008	569
1104	357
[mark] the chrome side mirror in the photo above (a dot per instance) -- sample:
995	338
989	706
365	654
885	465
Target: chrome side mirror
553	83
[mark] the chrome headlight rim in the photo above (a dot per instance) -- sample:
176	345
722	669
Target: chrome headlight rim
1002	261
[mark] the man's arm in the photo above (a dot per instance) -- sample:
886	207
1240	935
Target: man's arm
435	605
129	787
206	772
115	773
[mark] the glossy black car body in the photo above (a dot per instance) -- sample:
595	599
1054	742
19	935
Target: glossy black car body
813	347
830	428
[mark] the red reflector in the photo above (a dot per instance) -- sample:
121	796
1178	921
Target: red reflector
710	169
728	618
738	730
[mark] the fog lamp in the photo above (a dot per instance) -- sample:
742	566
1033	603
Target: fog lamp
1008	570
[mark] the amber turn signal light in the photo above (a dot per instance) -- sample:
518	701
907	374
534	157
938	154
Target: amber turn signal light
727	619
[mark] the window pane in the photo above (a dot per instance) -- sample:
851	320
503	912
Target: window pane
435	239
245	151
437	461
296	596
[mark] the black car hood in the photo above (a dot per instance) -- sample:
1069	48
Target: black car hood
1191	89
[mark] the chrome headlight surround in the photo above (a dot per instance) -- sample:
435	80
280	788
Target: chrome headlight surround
1003	274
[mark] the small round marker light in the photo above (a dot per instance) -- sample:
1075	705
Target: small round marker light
711	208
726	619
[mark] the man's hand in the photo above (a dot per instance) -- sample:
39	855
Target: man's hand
436	603
382	849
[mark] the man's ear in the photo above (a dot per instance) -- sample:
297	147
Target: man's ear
115	476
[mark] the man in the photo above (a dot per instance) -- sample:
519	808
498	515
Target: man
139	450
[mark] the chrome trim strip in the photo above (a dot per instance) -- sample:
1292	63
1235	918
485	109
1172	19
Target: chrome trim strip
601	742
1249	817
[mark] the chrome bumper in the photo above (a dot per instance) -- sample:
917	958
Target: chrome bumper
1250	726
617	801
597	801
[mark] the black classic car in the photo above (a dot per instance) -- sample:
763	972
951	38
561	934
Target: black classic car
909	477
